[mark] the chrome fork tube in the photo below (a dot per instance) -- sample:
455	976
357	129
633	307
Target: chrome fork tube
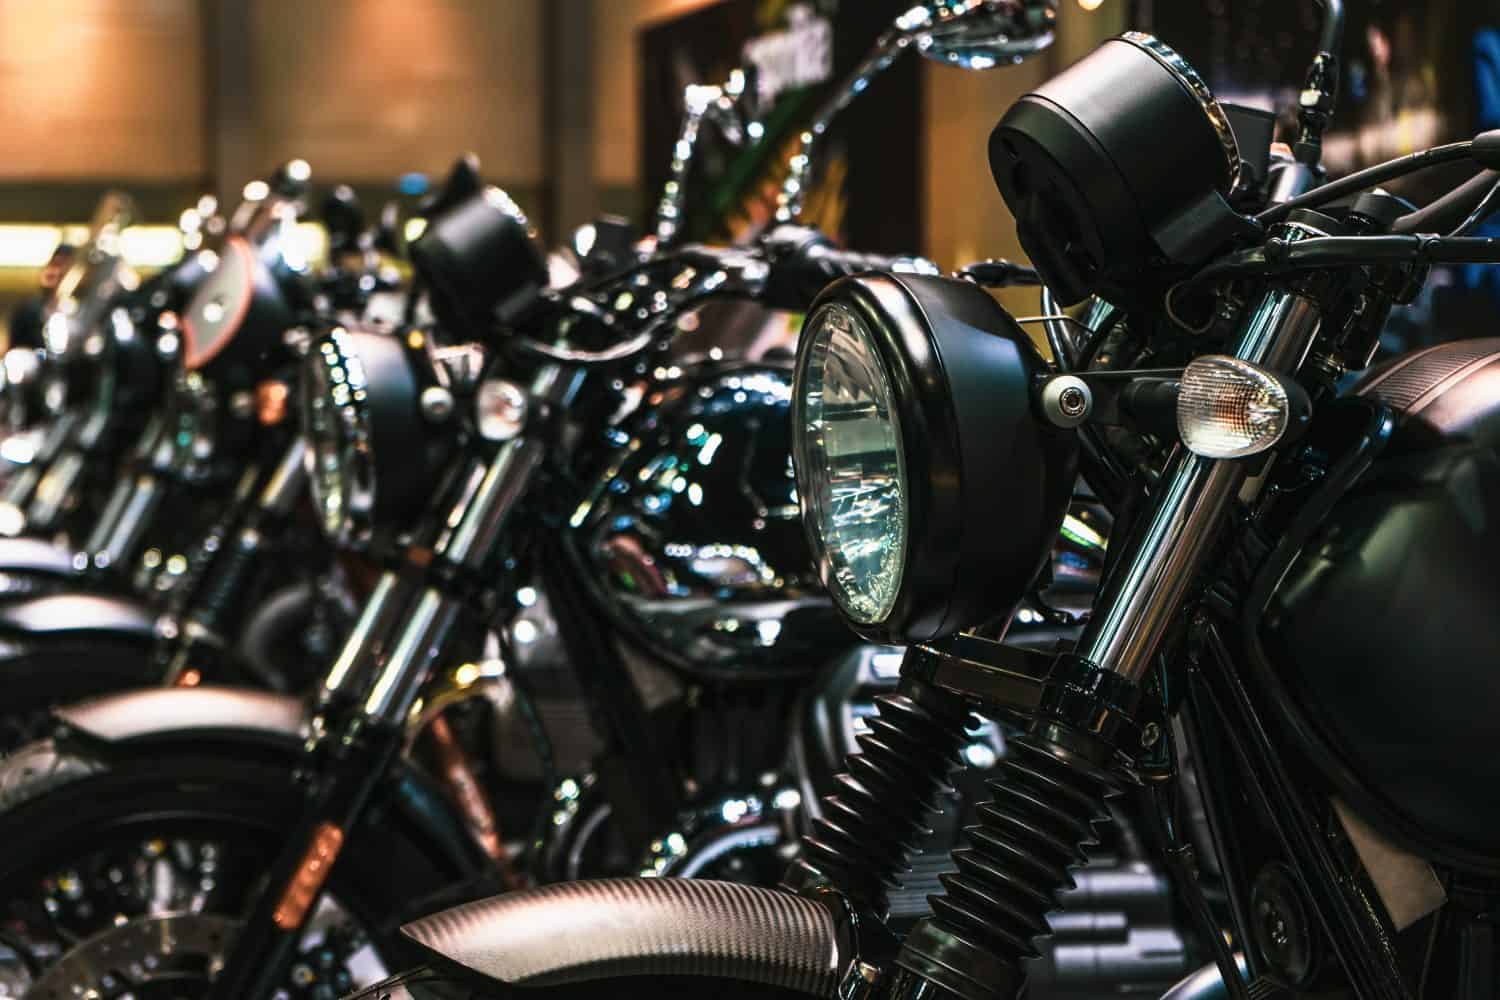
376	618
1166	551
465	548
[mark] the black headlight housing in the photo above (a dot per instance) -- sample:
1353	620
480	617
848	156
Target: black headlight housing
986	481
238	314
373	453
1117	171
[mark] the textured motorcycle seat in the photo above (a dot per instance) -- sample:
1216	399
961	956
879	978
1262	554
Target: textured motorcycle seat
1451	390
579	931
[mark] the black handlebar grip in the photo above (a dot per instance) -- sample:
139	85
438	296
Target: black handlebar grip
803	262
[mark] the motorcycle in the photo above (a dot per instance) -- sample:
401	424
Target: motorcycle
712	601
88	381
1289	556
172	583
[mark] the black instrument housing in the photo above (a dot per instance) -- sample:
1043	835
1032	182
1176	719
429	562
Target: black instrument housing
475	257
1116	168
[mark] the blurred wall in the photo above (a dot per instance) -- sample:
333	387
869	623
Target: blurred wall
92	88
366	90
167	95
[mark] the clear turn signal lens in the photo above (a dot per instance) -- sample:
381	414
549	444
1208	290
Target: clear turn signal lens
1227	408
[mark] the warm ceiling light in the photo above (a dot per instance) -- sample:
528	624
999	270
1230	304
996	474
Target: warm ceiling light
1090	4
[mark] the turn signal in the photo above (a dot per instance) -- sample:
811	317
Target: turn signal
1227	408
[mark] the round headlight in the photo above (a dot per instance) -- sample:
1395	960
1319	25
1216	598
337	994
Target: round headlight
930	491
849	443
361	411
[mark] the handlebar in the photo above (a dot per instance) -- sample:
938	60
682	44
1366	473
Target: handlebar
803	261
786	271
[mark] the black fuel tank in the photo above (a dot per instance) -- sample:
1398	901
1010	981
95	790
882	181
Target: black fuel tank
691	536
1387	626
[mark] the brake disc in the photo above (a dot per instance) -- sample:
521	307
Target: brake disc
171	956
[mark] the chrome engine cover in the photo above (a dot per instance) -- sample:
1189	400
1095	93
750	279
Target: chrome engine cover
691	534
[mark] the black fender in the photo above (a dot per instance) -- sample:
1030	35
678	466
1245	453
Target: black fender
240	721
79	615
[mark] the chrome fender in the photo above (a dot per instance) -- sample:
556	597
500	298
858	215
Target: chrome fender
576	932
34	555
78	614
185	712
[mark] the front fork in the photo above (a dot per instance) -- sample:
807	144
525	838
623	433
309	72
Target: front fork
1086	728
402	633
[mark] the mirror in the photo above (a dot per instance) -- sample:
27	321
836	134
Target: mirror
982	34
730	107
972	34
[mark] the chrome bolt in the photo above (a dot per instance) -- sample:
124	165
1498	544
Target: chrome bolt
1066	400
437	403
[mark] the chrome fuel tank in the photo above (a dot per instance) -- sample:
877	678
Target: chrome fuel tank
690	534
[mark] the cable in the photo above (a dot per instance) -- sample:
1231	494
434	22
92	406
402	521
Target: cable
1482	211
1052	319
1367	178
1435	217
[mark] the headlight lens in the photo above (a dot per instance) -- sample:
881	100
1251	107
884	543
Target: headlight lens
848	446
335	408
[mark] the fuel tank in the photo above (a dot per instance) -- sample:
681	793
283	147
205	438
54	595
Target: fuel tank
690	535
1386	627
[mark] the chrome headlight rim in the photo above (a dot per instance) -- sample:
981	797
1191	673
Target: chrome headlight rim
928	442
334	383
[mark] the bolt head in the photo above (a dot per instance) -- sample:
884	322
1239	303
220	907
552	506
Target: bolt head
437	403
1072	401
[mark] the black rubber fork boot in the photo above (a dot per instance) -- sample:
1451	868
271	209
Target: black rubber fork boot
1047	801
877	819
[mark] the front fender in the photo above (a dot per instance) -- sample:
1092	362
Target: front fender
79	615
30	567
236	722
620	929
162	715
35	555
